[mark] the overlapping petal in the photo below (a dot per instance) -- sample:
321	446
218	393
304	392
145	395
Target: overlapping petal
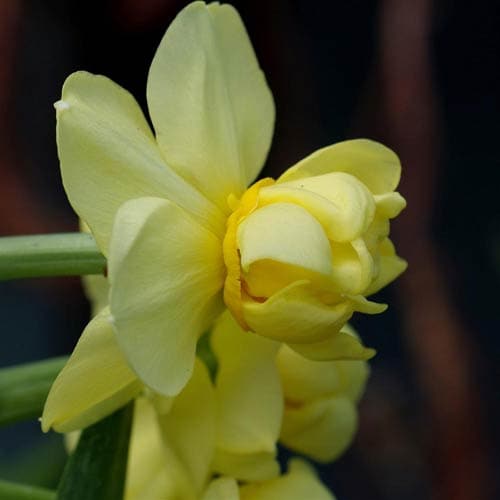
209	102
166	273
109	155
296	314
95	381
372	163
249	402
188	428
299	483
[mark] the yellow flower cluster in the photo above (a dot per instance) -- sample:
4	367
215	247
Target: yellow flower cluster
272	271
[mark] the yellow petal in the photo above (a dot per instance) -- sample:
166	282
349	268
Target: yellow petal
389	204
353	376
188	429
166	274
108	155
339	346
296	315
390	267
321	429
95	381
305	380
153	470
246	466
96	289
341	203
249	399
209	102
299	483
222	488
372	163
353	268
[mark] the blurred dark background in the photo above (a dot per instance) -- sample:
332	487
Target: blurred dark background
418	75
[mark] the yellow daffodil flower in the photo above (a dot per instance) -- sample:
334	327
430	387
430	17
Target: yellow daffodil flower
292	259
320	415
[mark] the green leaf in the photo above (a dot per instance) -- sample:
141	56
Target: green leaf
15	491
24	388
65	254
96	469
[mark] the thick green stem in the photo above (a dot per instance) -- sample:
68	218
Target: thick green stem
15	491
24	388
64	254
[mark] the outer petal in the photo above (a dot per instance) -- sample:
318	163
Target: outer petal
189	427
372	163
222	488
209	102
299	483
153	470
95	381
108	155
343	345
341	203
166	273
250	402
296	315
321	429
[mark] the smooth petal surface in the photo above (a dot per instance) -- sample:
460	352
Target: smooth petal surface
153	470
188	429
322	429
95	381
166	274
390	267
340	202
372	163
222	488
209	102
249	400
299	483
296	315
337	347
108	155
285	233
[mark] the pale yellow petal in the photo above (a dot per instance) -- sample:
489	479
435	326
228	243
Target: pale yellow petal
299	483
209	102
247	466
340	202
108	155
249	398
222	488
372	163
339	346
153	471
353	268
95	381
304	380
389	204
296	315
390	266
166	274
321	429
285	233
188	429
353	376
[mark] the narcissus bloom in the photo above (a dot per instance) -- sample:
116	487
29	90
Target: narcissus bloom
182	232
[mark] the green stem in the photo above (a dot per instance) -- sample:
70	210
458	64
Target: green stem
64	254
96	469
15	491
24	388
